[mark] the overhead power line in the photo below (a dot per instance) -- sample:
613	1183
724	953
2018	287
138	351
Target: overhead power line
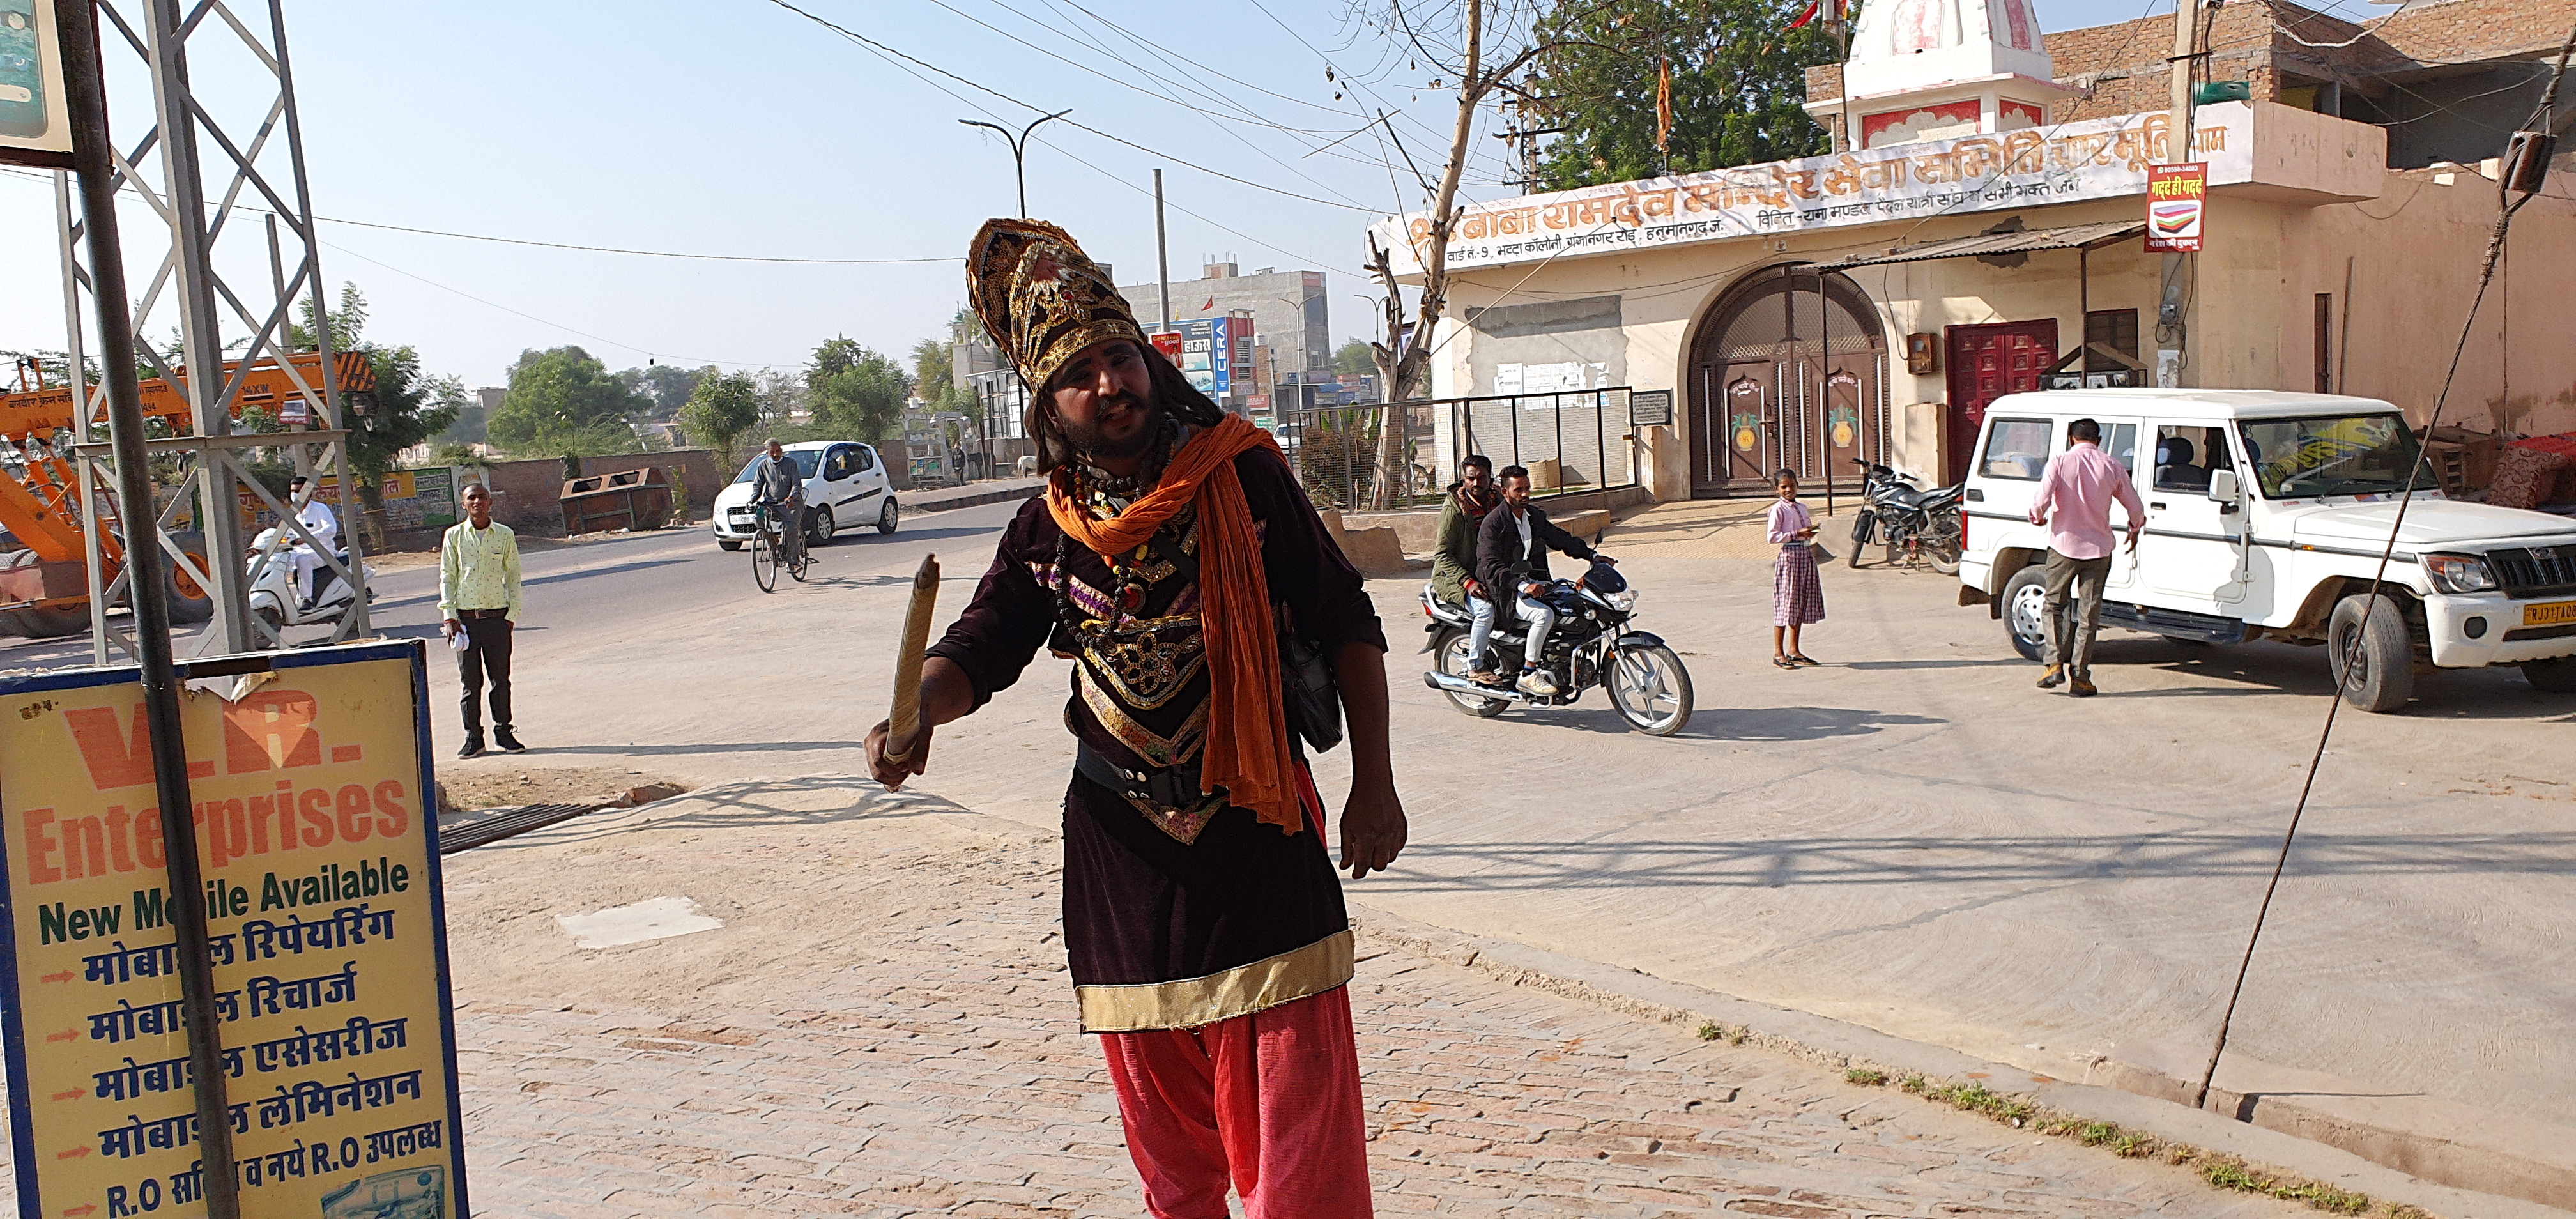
559	245
883	49
601	249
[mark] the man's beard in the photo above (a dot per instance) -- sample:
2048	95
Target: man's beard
1091	442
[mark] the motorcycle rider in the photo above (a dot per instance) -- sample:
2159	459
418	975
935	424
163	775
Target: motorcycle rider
1453	561
1511	561
318	519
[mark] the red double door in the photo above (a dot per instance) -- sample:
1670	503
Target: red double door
1986	363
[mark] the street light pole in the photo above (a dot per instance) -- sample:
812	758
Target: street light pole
1019	149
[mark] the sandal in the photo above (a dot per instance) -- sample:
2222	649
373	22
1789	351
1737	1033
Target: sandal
1804	659
1783	662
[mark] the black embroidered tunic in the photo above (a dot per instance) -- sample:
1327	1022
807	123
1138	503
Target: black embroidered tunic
1173	918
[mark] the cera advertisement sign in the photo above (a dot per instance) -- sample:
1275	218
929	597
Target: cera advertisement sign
2177	197
1207	354
325	924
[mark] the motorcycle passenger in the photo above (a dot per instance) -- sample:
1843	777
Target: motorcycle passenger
777	485
1453	561
1511	561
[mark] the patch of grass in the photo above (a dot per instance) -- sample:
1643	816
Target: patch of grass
1974	1098
2228	1172
1914	1084
2225	1172
1711	1031
1863	1075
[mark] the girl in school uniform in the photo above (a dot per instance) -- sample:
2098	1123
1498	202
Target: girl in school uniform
1797	595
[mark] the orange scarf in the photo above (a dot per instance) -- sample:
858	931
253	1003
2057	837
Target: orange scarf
1247	737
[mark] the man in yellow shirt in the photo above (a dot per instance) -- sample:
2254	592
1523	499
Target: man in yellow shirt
478	595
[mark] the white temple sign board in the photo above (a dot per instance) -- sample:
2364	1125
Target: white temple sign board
2096	159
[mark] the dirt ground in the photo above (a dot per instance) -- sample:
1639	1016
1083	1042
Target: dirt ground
467	790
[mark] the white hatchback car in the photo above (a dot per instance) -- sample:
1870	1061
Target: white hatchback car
2267	514
846	486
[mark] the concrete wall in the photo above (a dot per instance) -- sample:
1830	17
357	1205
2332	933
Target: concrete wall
2413	257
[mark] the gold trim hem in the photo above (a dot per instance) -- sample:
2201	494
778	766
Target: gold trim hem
1192	1002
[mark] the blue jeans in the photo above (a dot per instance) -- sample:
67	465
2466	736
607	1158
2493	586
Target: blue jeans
1480	629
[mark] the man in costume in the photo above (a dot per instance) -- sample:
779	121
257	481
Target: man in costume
1170	558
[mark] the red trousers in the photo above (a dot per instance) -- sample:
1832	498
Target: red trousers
1270	1100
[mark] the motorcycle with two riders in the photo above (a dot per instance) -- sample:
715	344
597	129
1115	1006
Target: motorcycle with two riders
1594	644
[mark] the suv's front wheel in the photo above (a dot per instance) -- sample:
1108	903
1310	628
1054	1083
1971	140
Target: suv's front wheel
2557	676
2026	611
2366	644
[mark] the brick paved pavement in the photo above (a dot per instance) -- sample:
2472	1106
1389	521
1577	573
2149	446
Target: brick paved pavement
937	1071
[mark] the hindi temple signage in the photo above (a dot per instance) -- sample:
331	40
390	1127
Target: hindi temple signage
2105	158
326	925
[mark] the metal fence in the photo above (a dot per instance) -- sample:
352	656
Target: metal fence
1569	440
1373	457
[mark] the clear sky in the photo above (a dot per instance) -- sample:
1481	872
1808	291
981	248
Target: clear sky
739	127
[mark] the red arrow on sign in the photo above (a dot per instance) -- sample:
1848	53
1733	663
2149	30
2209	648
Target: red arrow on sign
73	1154
74	1094
65	1035
64	976
83	1209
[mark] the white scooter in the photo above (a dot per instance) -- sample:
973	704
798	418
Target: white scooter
274	598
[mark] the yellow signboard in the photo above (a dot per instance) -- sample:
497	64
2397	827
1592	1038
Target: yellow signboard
325	922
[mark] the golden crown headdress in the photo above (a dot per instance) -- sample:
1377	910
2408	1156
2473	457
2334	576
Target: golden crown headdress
1041	298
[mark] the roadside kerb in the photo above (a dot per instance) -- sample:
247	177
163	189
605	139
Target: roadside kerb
971	495
1841	1045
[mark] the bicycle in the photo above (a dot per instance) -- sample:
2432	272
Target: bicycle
768	542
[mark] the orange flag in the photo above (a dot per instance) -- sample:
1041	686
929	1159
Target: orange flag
1663	104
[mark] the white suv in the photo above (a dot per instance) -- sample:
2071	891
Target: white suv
845	487
2266	516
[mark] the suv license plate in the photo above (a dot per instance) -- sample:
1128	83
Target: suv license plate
2551	613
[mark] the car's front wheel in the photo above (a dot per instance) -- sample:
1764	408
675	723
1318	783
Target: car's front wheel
2366	646
2026	611
819	532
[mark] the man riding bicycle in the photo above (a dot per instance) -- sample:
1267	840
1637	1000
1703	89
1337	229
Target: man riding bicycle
777	487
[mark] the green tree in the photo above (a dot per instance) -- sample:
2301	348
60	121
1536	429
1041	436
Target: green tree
563	401
855	392
410	406
1738	71
723	407
666	386
931	369
1355	358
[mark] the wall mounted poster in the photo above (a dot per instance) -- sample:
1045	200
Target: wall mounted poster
2176	198
326	924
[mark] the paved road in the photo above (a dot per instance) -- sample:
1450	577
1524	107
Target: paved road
930	1066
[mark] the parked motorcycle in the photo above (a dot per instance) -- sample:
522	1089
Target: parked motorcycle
1910	522
276	601
1592	645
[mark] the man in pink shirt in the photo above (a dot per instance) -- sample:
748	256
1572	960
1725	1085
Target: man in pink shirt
2080	483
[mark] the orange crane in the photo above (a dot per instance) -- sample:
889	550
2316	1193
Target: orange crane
44	587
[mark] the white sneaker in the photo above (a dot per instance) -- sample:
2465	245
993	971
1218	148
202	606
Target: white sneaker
1539	682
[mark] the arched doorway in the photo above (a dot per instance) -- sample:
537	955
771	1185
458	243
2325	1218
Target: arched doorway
1789	370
